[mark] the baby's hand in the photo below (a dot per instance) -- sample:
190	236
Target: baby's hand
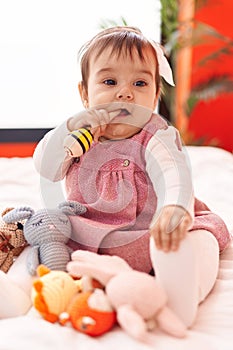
170	227
98	118
95	119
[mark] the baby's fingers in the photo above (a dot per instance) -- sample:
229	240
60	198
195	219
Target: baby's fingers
97	132
175	240
98	117
179	233
165	241
99	121
185	224
155	233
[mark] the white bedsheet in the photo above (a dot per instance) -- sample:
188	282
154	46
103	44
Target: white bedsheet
213	329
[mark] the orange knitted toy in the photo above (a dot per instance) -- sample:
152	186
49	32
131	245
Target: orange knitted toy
58	297
52	292
90	313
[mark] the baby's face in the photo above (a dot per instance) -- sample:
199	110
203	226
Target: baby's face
122	79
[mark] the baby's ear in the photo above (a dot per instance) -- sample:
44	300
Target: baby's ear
72	208
18	214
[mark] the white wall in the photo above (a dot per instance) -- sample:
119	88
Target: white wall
39	42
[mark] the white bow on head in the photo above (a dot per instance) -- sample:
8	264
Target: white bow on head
164	67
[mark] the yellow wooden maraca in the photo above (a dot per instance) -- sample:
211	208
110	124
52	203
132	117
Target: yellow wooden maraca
78	142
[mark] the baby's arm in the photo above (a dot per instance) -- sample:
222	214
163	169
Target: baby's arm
50	158
171	178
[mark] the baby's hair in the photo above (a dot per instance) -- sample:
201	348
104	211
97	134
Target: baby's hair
122	39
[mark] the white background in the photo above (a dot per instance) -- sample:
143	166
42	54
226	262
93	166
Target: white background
39	42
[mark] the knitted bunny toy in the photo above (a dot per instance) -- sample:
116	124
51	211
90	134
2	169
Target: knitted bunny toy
12	241
139	300
47	231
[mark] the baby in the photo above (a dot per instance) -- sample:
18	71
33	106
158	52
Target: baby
135	180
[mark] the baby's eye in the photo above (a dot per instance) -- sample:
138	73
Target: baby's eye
140	83
109	82
37	223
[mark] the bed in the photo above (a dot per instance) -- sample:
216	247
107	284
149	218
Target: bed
212	170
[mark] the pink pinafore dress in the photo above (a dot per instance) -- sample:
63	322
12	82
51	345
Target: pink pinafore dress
111	181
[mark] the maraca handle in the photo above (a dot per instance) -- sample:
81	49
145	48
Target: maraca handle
78	142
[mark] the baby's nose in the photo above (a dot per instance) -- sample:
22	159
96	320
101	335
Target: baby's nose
125	94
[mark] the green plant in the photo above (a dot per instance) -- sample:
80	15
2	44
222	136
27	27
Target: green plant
208	90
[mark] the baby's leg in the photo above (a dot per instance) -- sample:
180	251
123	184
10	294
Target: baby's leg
188	274
15	288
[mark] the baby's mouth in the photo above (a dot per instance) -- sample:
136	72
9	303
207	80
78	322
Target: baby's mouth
123	113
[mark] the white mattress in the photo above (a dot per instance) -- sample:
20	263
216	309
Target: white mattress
213	329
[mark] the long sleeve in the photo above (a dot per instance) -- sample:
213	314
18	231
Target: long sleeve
50	157
168	169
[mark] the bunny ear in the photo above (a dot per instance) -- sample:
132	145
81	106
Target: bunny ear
101	267
18	214
132	322
72	208
78	269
